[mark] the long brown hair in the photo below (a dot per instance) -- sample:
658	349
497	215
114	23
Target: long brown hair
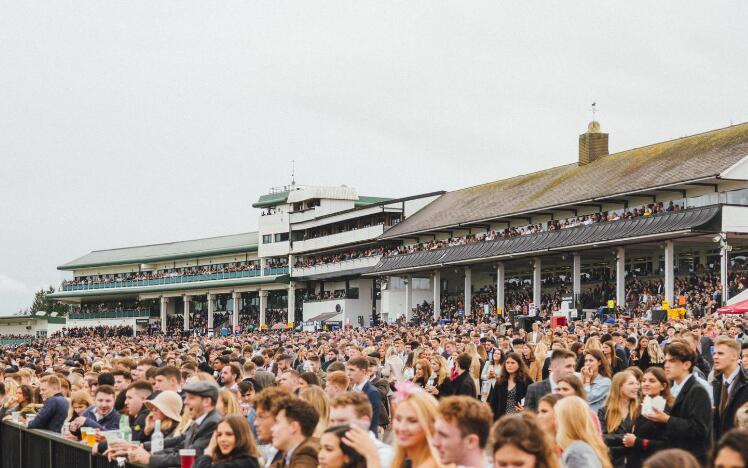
604	368
522	375
659	374
613	415
522	431
245	441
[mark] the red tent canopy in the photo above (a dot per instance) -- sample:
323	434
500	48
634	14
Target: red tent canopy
737	308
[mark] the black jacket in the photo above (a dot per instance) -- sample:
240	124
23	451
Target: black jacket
535	392
736	398
650	437
614	439
241	461
690	424
464	385
197	437
497	397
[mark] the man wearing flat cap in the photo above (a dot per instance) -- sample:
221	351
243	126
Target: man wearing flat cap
200	402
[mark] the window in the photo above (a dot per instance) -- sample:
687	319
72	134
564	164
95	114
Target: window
267	238
282	236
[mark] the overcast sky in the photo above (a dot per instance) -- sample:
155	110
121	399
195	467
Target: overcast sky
137	122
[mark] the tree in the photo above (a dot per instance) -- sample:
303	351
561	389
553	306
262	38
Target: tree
43	302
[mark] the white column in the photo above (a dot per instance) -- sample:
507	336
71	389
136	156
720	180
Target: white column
164	304
724	262
408	297
703	259
621	276
537	283
500	280
437	285
187	301
211	303
576	276
669	273
262	266
291	316
468	297
237	297
263	306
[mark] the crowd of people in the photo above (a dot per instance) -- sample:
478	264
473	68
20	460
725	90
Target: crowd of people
591	394
553	225
276	262
315	260
252	265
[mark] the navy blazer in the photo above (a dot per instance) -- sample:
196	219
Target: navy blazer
52	415
375	398
107	423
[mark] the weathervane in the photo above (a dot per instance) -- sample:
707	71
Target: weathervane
293	173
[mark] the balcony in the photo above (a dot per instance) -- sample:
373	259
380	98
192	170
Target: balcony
341	238
276	271
111	314
337	267
171	280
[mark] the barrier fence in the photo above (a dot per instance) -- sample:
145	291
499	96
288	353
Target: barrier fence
34	448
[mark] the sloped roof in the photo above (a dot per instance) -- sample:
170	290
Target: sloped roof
245	242
684	159
280	198
704	219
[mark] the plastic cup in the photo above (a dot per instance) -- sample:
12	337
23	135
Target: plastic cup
15	416
88	436
187	458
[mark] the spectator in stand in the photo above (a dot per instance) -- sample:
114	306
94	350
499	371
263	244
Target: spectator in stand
55	410
730	387
510	388
577	435
461	431
648	436
463	383
292	434
562	364
731	450
101	415
518	440
357	370
672	458
231	446
413	427
354	409
619	414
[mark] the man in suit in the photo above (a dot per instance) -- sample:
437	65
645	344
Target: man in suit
463	384
55	410
200	402
562	364
535	335
730	387
689	421
101	415
357	370
292	434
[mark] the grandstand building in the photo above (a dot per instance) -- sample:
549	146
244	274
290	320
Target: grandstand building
624	227
244	280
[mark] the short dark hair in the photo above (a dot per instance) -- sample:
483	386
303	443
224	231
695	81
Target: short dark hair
296	409
141	385
360	363
472	416
735	440
105	378
562	354
125	374
682	352
245	386
108	389
463	361
169	372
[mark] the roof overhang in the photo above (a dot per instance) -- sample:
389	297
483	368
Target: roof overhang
689	222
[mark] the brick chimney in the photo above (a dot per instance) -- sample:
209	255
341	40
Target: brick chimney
593	144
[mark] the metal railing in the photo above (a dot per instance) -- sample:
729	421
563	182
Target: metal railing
34	448
174	280
109	314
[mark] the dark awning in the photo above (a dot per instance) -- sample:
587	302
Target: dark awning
334	274
323	317
704	219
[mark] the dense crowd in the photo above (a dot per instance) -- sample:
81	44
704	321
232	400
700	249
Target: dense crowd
553	225
315	260
591	394
172	273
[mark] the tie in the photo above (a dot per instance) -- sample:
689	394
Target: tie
723	396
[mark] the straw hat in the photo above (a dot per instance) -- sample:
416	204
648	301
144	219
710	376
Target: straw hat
169	403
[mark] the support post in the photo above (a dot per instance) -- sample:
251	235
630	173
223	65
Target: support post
621	276
468	296
408	298
537	282
187	302
291	306
437	285
263	306
237	297
669	273
500	280
723	267
576	277
211	303
164	304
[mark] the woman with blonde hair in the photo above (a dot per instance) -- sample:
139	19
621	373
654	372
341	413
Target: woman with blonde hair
413	427
227	403
317	397
577	435
619	414
439	382
393	365
656	356
475	365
